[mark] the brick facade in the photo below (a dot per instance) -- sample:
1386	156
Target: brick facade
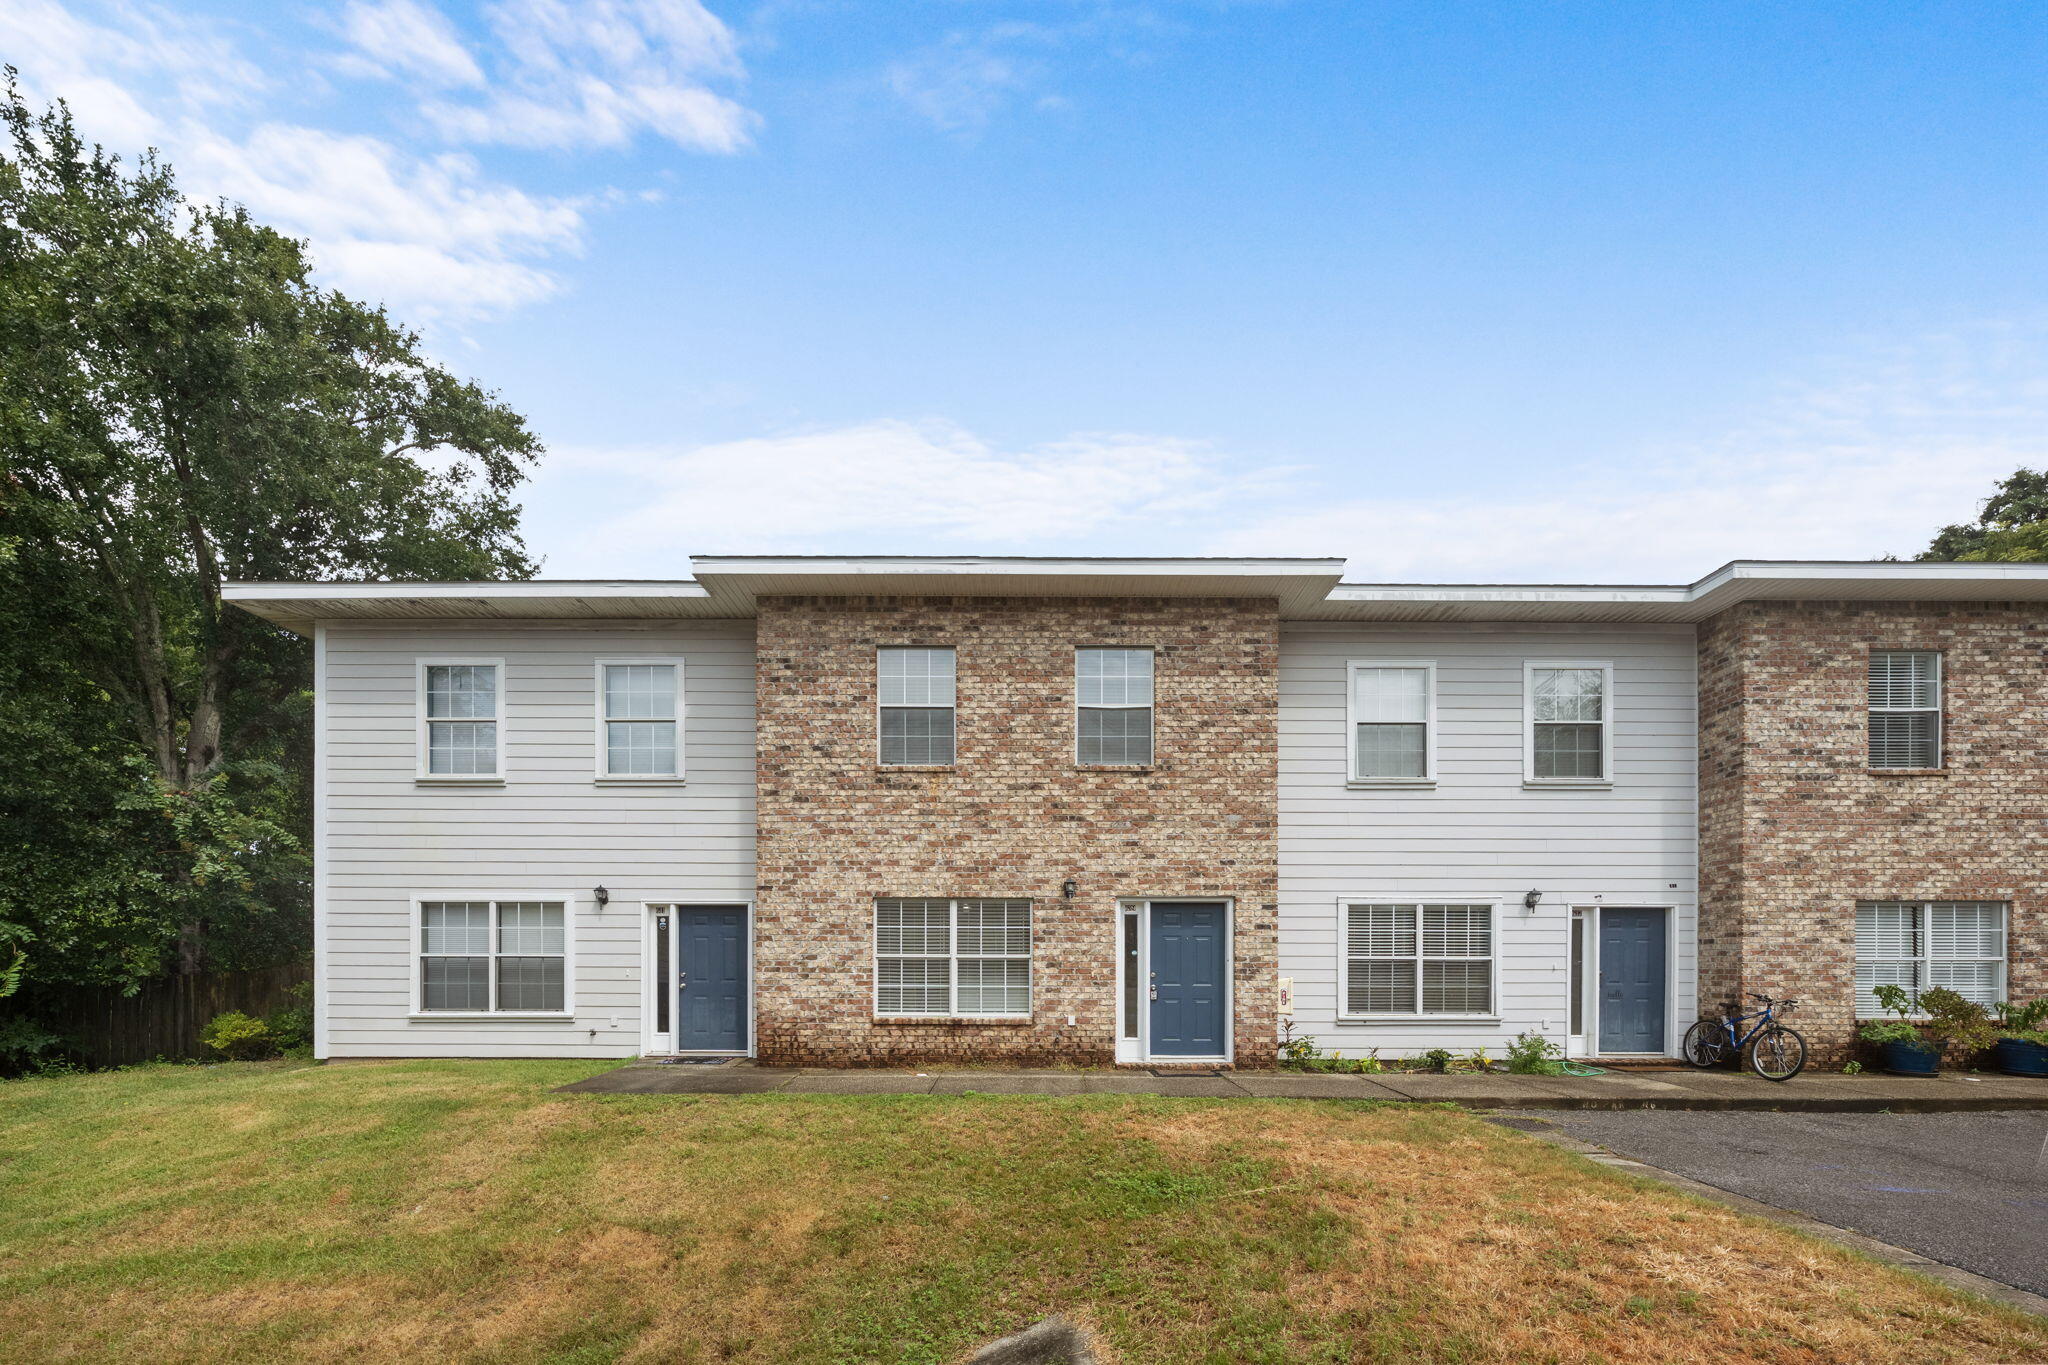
1015	816
1796	828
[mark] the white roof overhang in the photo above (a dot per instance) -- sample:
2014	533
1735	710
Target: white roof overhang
1306	589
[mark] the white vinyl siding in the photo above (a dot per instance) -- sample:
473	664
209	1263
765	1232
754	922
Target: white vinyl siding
952	957
493	957
1392	721
458	731
1418	958
544	827
640	719
916	692
1480	833
1113	718
1568	706
1905	708
1915	945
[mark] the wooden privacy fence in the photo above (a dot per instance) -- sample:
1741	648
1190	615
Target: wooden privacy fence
164	1018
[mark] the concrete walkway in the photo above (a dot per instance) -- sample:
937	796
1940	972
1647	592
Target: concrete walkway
1827	1092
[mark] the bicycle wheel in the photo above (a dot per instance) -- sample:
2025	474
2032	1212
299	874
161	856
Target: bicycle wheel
1778	1054
1706	1043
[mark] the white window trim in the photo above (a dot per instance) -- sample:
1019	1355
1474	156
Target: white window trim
1923	957
1152	706
952	957
1344	903
1353	778
568	901
496	779
603	755
880	706
1940	709
1530	668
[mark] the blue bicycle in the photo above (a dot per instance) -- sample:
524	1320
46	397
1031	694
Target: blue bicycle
1776	1053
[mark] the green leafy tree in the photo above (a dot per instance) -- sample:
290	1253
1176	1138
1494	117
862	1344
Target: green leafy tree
2012	528
182	406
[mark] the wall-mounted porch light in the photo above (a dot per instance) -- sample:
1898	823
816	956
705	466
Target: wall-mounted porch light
601	896
1069	889
1531	899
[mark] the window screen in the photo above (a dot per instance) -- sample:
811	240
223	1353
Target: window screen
953	957
1568	723
1113	688
462	719
492	956
1905	708
1917	944
1390	713
1423	958
917	706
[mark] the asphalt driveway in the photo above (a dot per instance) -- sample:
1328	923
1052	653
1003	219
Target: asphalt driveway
1970	1190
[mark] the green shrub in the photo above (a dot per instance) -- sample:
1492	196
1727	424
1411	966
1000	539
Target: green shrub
29	1049
291	1027
1890	1031
1531	1054
2026	1023
238	1037
1436	1059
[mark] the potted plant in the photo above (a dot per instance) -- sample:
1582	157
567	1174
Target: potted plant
2022	1046
1912	1048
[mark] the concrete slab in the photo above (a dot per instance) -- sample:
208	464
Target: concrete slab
1285	1085
859	1083
1084	1083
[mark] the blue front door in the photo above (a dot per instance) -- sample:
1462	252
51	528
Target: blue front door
1632	980
711	963
1190	989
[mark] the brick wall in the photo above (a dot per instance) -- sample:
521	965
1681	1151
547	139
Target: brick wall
1014	817
1795	828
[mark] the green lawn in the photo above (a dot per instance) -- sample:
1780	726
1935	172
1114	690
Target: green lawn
456	1210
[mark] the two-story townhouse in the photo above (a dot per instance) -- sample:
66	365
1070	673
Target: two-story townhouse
891	810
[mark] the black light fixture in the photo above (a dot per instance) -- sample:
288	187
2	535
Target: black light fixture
1530	899
1068	888
601	896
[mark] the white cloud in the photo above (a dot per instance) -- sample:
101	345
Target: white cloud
911	485
960	82
428	232
596	73
406	38
1868	460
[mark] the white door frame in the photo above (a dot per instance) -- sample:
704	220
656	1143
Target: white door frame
649	1039
1588	1045
1138	1050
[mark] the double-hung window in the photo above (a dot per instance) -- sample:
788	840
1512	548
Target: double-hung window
1570	711
1113	688
459	712
640	719
1905	708
1915	945
1403	958
493	957
1393	722
953	957
916	694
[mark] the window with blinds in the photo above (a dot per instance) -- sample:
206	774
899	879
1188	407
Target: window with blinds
1113	693
492	957
917	706
1418	958
640	718
952	957
1915	945
1905	708
1393	707
1569	707
459	719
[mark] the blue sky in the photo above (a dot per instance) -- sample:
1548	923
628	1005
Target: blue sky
1552	292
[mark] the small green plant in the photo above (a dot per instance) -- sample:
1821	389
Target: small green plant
1852	1068
1531	1054
1953	1020
1436	1059
28	1049
2026	1023
238	1037
1297	1052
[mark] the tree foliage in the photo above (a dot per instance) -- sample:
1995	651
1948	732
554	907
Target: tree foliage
2012	528
182	406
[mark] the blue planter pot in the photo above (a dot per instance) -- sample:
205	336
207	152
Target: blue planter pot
2018	1058
1911	1059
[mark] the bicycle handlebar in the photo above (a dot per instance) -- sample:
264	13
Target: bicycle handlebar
1781	1004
